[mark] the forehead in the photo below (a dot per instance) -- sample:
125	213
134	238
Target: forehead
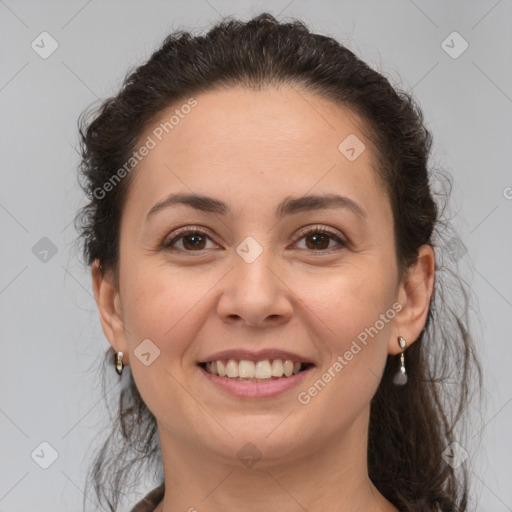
275	119
266	143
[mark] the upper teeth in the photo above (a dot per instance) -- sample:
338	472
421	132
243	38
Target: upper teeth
254	369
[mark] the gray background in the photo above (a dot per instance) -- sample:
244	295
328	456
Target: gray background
51	339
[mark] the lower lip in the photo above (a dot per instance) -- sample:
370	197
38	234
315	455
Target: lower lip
268	389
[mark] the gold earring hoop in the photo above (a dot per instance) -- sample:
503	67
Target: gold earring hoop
118	362
400	377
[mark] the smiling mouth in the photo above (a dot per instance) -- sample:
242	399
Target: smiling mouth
255	371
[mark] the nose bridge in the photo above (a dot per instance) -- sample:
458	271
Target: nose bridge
255	293
255	275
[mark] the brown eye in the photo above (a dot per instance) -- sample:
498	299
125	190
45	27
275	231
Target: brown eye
191	240
318	239
195	241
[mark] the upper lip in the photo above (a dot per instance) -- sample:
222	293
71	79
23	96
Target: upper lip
260	355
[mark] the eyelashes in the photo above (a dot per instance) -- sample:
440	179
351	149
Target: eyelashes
183	234
192	239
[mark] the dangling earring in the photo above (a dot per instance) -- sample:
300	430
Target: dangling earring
118	361
400	377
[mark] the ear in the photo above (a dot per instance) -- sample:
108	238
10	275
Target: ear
414	296
108	301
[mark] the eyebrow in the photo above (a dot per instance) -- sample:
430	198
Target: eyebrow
289	206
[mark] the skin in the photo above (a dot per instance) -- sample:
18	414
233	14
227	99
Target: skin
252	149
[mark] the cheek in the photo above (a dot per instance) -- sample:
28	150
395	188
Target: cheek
349	377
356	314
161	315
161	305
350	301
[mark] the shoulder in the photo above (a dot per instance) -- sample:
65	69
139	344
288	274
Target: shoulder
151	500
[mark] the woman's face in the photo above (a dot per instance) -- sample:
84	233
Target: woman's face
259	277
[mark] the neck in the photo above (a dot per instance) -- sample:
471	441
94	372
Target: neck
327	477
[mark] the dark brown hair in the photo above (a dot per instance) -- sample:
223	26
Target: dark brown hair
410	426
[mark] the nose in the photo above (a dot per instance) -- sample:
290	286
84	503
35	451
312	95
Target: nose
255	294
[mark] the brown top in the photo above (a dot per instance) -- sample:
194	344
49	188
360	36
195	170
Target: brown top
150	501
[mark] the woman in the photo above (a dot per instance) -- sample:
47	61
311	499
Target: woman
262	238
